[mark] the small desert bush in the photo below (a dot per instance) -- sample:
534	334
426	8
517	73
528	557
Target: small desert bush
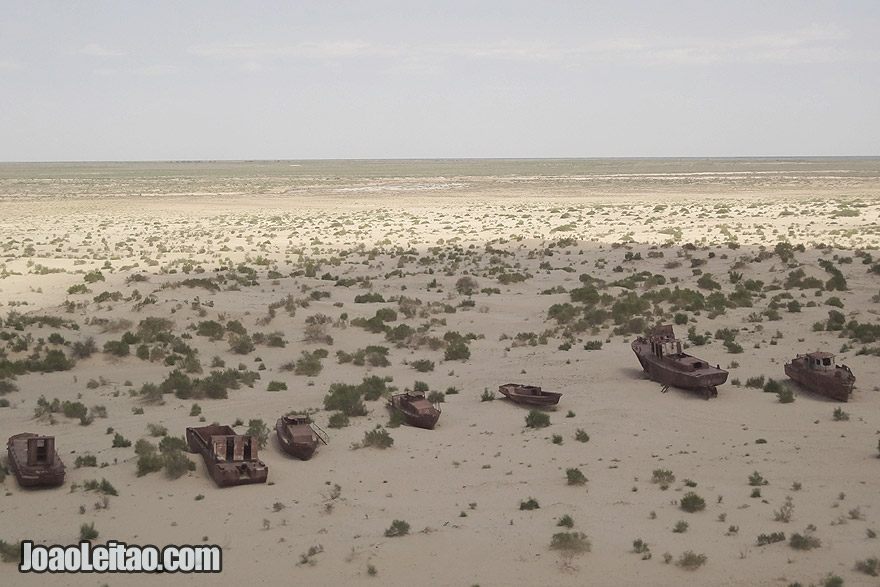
785	395
537	419
570	545
805	541
680	527
487	395
663	477
756	480
764	539
377	438
690	560
784	513
88	532
575	476
397	528
869	566
692	502
338	420
581	435
565	521
529	504
839	415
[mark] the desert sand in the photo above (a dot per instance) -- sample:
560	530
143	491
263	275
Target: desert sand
285	248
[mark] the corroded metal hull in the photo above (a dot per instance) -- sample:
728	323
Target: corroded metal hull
836	384
231	459
417	411
34	460
530	395
299	437
676	369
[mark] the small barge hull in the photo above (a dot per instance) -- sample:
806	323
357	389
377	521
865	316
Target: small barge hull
231	459
34	461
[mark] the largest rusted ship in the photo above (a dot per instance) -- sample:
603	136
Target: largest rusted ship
663	360
818	372
231	459
34	460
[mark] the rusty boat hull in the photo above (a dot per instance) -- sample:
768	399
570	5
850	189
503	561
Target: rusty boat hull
663	361
416	409
34	461
299	437
835	382
231	459
529	395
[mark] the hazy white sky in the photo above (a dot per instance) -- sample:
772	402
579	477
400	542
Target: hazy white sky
199	79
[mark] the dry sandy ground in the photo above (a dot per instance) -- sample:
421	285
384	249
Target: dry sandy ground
460	486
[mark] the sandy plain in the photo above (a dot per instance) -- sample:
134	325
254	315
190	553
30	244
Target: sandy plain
196	242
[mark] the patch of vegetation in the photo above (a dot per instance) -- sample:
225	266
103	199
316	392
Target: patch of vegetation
529	504
377	438
575	476
397	528
537	419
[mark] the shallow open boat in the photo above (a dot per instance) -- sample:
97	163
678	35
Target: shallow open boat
530	395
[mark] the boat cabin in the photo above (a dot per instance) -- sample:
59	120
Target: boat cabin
40	451
820	361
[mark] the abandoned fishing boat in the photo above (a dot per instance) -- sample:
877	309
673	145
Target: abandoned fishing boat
663	360
231	458
819	372
416	409
298	436
530	395
34	460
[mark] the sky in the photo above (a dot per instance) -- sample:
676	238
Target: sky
122	80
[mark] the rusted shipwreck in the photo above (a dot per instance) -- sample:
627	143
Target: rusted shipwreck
416	409
819	372
663	360
299	436
34	460
231	458
530	395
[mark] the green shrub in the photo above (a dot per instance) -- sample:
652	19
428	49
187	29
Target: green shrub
839	415
565	521
487	395
397	528
581	435
690	560
457	351
276	386
764	539
772	386
805	541
338	420
537	419
88	532
570	544
422	365
593	345
346	399
869	566
529	504
259	431
680	527
785	395
378	438
756	480
575	476
120	441
691	502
